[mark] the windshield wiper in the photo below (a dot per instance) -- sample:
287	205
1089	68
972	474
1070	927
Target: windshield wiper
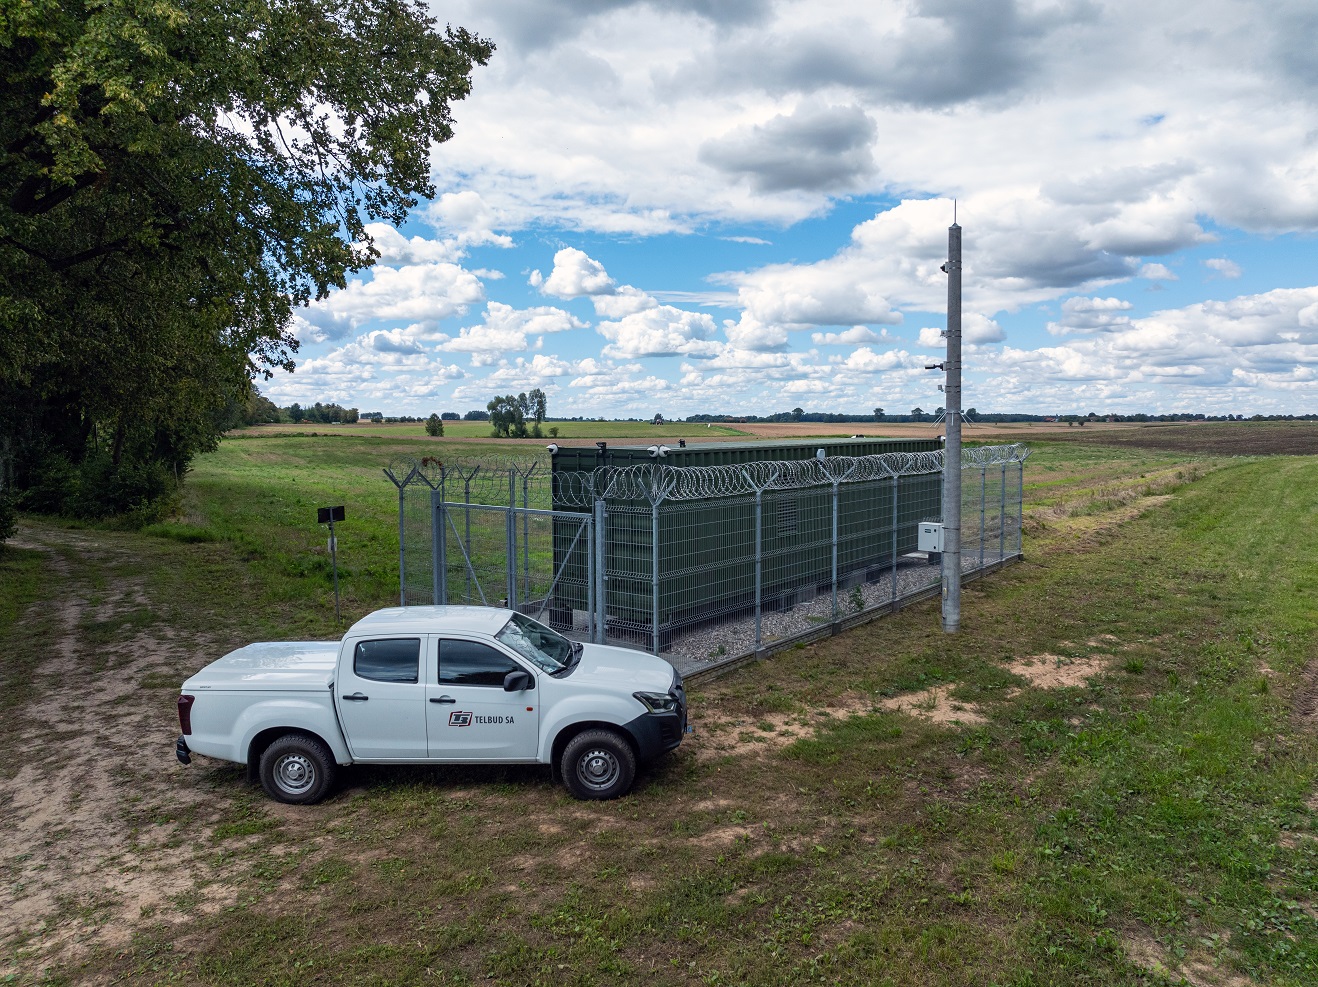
573	659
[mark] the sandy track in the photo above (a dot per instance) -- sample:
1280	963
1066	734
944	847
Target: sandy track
99	829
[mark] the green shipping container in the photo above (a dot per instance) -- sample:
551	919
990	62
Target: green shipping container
707	546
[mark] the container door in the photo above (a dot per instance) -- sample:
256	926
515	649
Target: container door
382	700
470	716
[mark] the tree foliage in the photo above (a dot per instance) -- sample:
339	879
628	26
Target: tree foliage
176	177
434	425
508	416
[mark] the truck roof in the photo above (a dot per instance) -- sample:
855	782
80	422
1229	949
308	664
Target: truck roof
433	620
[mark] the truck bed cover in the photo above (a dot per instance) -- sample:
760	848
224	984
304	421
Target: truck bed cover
284	666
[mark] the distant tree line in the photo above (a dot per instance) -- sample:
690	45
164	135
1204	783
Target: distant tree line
920	415
257	409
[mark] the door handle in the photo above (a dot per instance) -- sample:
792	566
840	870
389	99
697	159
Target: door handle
444	699
356	697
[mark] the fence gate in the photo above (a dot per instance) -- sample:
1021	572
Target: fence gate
540	562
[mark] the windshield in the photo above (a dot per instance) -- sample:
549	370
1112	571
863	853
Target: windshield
534	641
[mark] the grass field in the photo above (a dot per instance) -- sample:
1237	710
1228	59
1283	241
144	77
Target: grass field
1107	778
638	431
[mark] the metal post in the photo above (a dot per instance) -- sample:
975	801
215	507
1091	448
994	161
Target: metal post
835	505
759	559
1002	518
983	499
466	537
334	564
601	577
589	522
526	535
402	553
654	573
443	542
437	547
1020	508
952	449
894	539
510	566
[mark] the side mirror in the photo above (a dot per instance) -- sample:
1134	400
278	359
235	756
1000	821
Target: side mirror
518	681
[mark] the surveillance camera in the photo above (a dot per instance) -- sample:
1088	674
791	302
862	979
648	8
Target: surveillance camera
663	450
653	451
553	448
820	454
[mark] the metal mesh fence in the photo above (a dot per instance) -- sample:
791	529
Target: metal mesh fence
700	564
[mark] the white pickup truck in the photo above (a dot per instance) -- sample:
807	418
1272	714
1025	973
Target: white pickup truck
434	685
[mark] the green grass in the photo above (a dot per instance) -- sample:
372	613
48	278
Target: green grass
1162	802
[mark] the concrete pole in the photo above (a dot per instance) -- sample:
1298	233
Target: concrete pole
952	449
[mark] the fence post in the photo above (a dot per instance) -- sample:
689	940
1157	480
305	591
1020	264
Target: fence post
402	552
654	573
1020	508
601	561
894	539
439	571
983	499
759	559
1002	518
589	522
467	525
526	531
835	507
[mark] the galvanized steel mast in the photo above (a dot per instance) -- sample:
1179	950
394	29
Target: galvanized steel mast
952	449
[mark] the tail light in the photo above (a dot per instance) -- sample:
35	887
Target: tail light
185	714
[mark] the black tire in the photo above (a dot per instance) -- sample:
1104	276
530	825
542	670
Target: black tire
297	769
598	765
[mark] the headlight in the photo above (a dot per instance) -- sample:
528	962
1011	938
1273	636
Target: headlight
657	702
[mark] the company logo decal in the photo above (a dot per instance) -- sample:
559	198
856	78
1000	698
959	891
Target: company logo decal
461	718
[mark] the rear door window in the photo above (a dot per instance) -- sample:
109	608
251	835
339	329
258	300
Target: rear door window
389	660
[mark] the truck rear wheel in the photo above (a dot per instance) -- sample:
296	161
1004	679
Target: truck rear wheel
297	769
598	764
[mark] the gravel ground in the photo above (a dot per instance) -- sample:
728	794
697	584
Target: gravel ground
713	644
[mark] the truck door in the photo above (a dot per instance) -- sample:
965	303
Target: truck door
382	700
469	715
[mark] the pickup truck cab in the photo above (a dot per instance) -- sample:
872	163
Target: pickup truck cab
434	685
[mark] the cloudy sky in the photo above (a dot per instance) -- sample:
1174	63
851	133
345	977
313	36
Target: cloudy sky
740	206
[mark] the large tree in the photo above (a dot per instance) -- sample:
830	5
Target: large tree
176	178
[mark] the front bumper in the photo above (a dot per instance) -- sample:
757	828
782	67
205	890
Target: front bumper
658	733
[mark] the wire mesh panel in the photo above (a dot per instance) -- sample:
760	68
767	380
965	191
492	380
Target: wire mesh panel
707	563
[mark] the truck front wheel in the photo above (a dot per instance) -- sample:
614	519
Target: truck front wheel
297	769
598	764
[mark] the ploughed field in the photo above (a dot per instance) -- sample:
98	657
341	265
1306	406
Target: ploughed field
1107	778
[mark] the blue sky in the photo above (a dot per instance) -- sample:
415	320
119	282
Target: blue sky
740	207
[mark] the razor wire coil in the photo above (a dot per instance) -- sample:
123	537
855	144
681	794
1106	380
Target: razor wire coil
657	482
